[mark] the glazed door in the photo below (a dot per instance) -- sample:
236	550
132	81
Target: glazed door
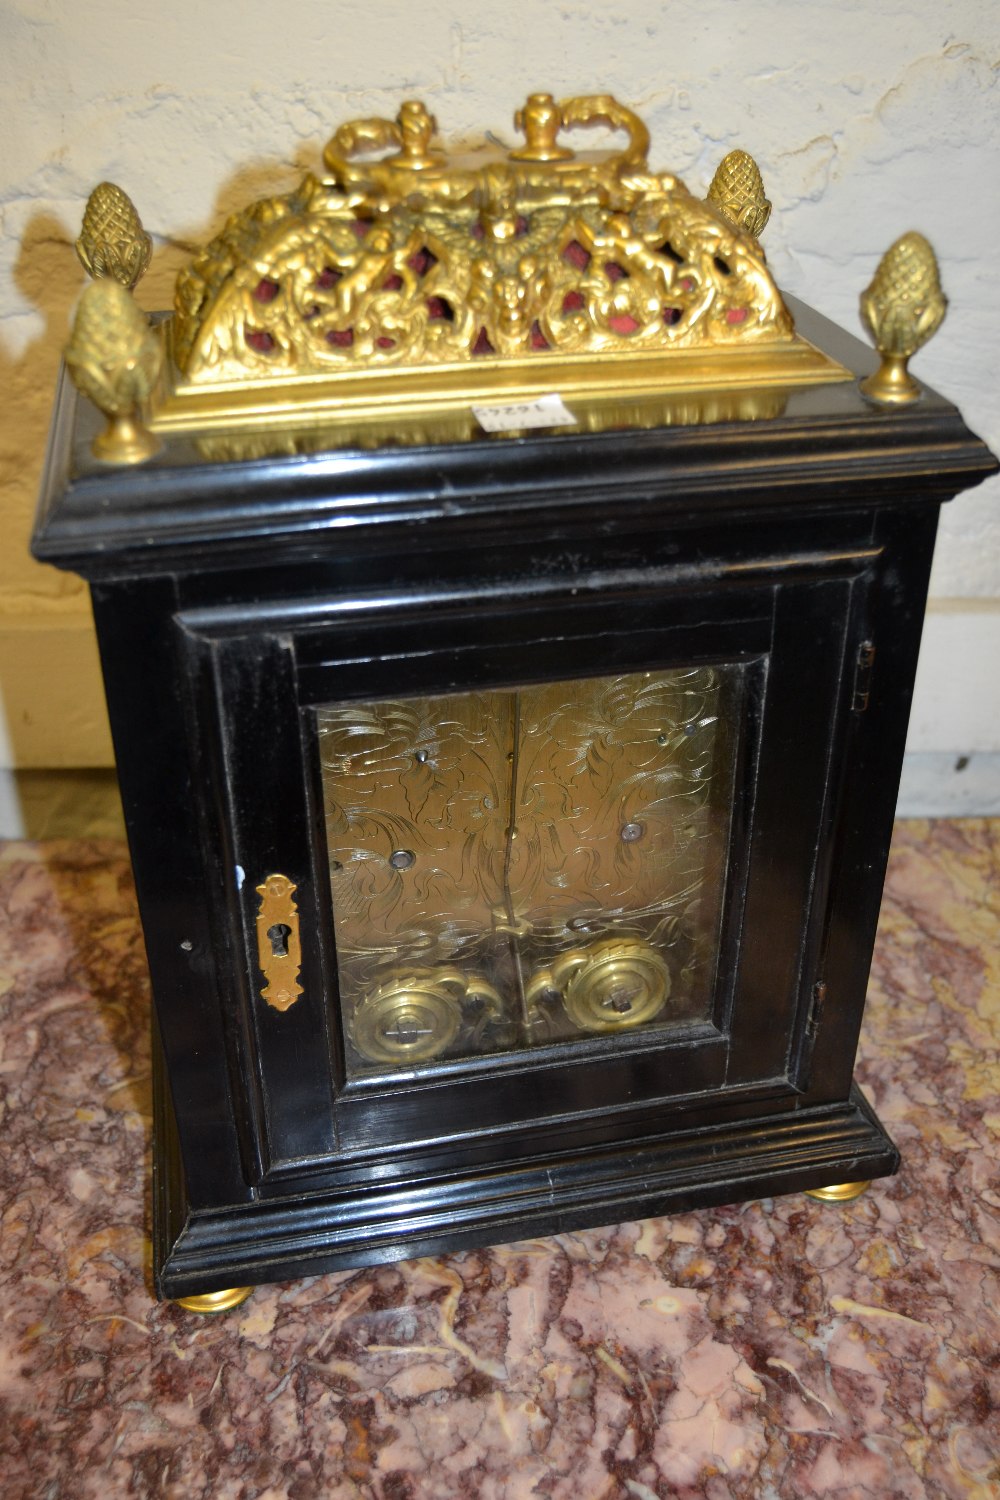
549	864
511	868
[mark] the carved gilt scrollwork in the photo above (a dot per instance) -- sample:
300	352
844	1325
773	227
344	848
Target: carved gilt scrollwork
402	257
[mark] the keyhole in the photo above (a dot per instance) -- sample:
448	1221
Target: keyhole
279	935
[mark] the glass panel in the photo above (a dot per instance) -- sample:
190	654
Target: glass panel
527	866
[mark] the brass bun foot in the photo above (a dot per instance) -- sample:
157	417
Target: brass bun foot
216	1302
839	1192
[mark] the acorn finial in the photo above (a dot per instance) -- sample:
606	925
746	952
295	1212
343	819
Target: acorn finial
112	240
902	308
114	357
737	191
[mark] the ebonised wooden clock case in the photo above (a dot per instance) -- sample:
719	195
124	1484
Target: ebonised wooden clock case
233	597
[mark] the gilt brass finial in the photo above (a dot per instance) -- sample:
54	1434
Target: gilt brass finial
114	357
416	129
112	240
737	191
902	308
540	120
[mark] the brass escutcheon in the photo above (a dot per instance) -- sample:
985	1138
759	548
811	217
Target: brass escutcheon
278	947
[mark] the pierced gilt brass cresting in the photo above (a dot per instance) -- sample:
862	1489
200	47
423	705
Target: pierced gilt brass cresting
278	946
497	275
112	240
414	260
115	358
902	308
502	274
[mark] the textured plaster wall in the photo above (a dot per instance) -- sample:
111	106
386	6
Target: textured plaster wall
867	120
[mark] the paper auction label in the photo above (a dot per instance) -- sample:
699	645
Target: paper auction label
545	411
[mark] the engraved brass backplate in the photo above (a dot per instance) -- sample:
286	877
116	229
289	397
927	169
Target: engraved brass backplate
530	865
278	945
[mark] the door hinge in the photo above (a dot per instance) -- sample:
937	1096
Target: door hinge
816	1008
863	676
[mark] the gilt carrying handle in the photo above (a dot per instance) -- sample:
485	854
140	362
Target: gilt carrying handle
409	136
541	119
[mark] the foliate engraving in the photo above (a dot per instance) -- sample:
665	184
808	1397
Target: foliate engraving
514	805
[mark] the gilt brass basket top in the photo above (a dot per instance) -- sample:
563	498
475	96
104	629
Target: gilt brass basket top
403	257
404	282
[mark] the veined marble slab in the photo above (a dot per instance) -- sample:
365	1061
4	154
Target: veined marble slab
767	1350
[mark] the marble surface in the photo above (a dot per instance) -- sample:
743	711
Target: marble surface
772	1349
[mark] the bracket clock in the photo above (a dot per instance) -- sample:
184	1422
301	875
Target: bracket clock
509	604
